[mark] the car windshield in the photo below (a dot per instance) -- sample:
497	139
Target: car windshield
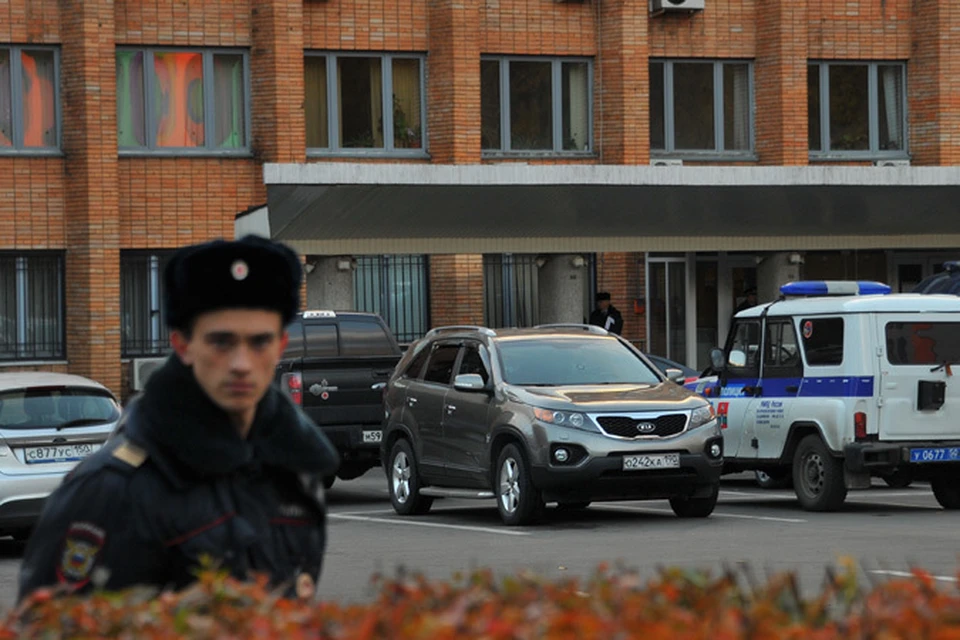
56	407
572	361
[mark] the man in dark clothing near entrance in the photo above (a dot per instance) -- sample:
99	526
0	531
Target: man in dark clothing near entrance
749	302
606	315
211	459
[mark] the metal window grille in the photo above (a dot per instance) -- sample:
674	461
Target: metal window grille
31	307
395	287
143	331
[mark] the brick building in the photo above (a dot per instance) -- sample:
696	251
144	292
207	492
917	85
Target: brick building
442	161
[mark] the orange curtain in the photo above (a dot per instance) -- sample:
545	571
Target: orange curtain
39	106
179	95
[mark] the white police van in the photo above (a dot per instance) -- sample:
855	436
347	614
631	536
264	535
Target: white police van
837	382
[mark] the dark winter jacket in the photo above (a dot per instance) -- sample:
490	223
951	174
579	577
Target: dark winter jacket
177	483
611	320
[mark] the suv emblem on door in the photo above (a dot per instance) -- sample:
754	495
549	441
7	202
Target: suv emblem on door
646	427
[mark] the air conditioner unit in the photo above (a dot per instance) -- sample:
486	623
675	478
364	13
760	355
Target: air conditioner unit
142	368
666	162
892	163
659	6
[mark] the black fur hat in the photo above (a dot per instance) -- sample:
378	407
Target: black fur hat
249	273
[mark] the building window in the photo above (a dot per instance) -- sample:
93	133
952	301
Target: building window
183	101
143	331
536	105
395	287
31	306
356	103
511	291
857	109
701	107
29	108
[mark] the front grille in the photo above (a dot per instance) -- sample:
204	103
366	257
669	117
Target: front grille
627	427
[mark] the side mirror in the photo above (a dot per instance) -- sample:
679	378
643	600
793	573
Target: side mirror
717	360
469	382
738	359
675	375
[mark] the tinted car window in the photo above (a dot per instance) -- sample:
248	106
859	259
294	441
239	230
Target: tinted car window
923	343
572	361
473	363
321	340
416	365
822	340
364	338
440	367
54	408
295	346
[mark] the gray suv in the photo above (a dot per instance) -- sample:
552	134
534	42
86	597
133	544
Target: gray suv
559	413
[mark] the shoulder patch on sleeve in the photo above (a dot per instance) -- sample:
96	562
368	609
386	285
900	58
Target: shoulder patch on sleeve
130	453
79	553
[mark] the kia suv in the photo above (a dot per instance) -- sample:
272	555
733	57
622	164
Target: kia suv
566	414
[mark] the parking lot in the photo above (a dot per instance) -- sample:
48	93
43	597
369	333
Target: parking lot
888	530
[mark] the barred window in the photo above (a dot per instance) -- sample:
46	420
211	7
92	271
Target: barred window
395	287
143	331
31	306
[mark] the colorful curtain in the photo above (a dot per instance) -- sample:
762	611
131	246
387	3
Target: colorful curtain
228	101
130	111
178	99
6	112
39	102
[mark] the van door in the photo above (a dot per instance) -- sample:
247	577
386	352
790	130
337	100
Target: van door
919	376
738	384
781	379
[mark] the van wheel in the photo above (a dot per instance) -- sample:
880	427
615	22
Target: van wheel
518	501
818	476
404	482
778	479
696	507
946	491
899	479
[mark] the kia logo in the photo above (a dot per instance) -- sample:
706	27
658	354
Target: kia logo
646	427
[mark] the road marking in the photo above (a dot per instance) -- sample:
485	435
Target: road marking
715	514
438	525
362	513
859	494
907	574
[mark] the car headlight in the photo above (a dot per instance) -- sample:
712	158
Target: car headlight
702	416
565	418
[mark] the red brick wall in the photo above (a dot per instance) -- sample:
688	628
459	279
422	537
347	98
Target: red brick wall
727	29
933	77
860	30
538	27
207	23
456	289
620	274
366	25
31	203
30	21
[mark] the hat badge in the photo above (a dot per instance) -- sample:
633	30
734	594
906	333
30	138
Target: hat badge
239	270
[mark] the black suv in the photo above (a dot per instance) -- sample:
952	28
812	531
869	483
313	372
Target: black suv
946	281
560	413
335	367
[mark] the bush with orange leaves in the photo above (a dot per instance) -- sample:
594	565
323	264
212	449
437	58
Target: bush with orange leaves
611	605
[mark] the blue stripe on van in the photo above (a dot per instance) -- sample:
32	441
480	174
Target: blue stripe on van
808	387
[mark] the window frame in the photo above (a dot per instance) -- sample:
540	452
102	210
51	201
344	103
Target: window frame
556	97
16	101
24	355
209	112
386	90
156	260
873	111
669	126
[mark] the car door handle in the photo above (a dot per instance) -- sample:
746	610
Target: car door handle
411	401
382	373
378	385
792	388
450	409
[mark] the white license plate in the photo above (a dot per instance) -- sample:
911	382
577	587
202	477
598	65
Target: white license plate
372	436
653	461
59	453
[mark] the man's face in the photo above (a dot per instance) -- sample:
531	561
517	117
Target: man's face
234	354
603	305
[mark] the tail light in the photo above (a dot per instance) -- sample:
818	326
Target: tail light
292	385
860	425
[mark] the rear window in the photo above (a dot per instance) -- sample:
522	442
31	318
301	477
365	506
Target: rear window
295	345
572	361
822	341
930	343
56	408
360	338
321	340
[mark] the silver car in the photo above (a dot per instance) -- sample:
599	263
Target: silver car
48	423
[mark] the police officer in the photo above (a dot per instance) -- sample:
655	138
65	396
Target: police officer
606	315
211	459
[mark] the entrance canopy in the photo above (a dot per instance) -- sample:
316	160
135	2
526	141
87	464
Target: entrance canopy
360	208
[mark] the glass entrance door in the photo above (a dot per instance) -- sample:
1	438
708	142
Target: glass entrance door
667	308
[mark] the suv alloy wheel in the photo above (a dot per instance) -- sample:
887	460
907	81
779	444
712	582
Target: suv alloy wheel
404	482
518	501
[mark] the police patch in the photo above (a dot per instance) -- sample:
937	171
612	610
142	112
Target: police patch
81	546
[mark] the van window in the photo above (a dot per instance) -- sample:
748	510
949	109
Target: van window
923	343
364	338
782	359
822	340
321	340
743	352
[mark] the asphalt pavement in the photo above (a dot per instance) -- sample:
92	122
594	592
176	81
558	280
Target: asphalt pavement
886	530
